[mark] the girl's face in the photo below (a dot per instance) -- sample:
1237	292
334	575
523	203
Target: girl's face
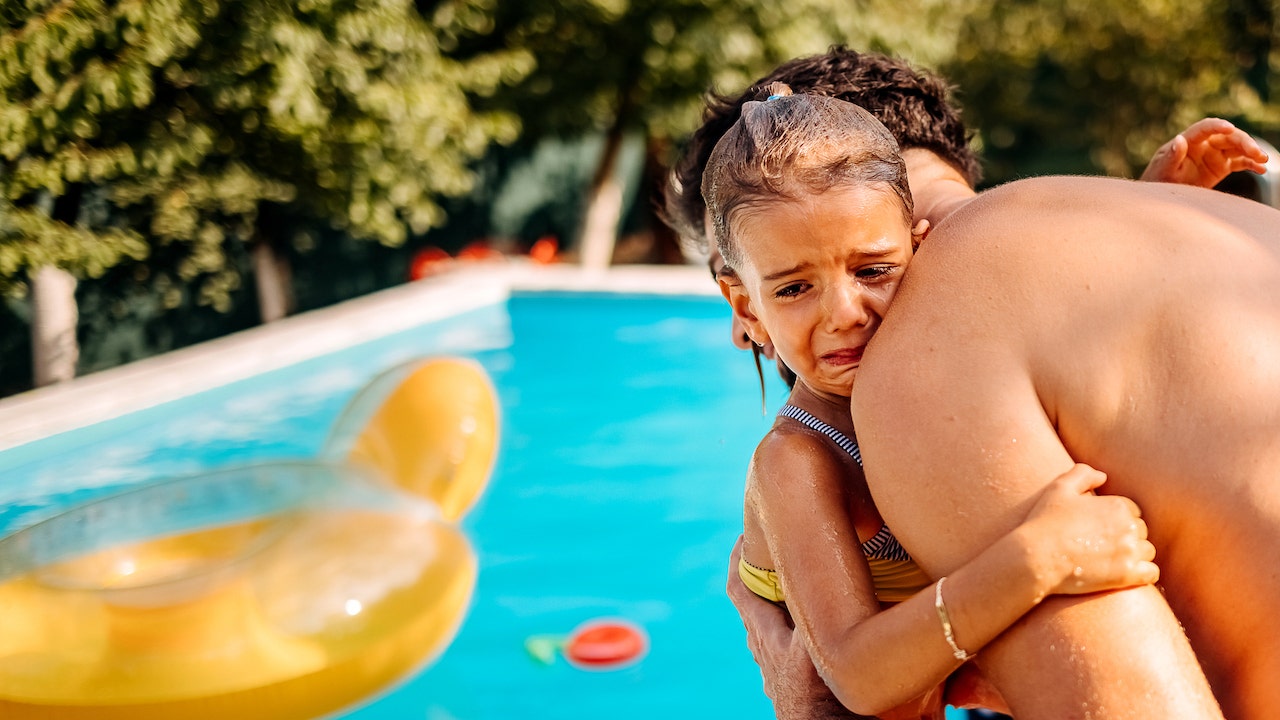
817	274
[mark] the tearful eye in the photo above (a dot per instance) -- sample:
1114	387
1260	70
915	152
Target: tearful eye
874	272
790	290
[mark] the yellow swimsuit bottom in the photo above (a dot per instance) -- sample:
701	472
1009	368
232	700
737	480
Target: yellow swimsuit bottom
895	580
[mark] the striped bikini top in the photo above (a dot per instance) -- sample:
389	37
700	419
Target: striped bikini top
883	545
895	574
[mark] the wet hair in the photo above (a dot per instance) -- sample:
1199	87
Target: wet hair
913	104
788	146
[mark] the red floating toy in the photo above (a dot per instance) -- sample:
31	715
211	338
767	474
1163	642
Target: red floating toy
606	645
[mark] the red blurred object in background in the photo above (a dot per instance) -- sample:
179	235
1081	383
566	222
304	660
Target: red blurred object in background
606	645
429	261
544	250
480	250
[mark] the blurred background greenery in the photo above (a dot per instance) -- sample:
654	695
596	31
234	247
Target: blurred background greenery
202	166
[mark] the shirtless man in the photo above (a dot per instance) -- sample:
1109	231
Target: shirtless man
941	171
1134	327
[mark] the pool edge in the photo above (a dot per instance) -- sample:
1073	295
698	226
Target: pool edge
103	395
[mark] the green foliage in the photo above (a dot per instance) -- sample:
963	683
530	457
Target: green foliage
652	61
180	122
1096	86
144	142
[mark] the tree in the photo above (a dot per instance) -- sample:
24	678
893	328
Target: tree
1094	86
644	66
195	123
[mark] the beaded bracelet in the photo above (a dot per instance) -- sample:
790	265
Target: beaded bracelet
941	607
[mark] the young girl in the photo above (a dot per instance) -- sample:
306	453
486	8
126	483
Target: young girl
809	200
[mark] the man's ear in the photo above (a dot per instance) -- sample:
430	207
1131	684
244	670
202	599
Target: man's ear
734	291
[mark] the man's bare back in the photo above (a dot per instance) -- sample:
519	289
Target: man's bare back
1136	328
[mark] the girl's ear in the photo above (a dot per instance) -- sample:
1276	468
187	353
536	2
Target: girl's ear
919	233
734	291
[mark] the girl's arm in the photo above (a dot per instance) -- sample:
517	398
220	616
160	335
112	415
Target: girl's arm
874	661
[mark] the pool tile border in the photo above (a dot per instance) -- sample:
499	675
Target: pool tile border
103	395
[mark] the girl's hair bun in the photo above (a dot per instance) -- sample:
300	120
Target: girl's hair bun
773	91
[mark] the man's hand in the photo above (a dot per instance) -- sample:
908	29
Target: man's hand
967	688
1204	154
790	680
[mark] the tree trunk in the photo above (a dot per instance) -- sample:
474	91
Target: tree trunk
604	206
666	248
274	282
54	350
603	211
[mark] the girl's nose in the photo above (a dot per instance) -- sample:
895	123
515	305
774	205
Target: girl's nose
846	306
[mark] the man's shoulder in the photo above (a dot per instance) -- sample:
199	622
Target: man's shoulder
1017	233
1048	195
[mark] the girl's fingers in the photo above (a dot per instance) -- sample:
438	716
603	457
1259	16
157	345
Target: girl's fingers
1082	479
1129	504
1149	572
1238	143
1141	529
1149	551
1204	129
1178	148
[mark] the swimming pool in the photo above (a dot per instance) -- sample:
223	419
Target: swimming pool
627	424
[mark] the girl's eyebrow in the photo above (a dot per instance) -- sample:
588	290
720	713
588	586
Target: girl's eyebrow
879	253
783	273
870	254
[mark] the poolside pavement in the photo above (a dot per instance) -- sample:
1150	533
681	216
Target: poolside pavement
106	394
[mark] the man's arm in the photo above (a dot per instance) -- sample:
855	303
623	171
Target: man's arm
790	680
957	449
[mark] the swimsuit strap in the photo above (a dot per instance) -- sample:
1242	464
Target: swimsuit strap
883	545
806	418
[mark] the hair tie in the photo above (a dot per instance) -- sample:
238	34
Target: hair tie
773	97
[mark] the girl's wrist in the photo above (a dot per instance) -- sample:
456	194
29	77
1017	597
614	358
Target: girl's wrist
1044	566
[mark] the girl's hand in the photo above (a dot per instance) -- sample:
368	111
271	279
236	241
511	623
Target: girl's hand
1092	542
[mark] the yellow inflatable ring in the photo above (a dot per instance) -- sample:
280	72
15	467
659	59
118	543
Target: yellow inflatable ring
430	427
276	590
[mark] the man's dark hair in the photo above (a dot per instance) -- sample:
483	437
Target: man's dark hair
913	104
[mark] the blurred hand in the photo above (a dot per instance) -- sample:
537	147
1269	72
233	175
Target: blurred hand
1204	154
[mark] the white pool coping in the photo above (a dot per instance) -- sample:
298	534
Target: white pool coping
107	394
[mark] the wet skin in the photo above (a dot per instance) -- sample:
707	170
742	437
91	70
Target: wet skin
1131	326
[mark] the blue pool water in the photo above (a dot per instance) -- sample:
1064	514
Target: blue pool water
627	425
627	428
